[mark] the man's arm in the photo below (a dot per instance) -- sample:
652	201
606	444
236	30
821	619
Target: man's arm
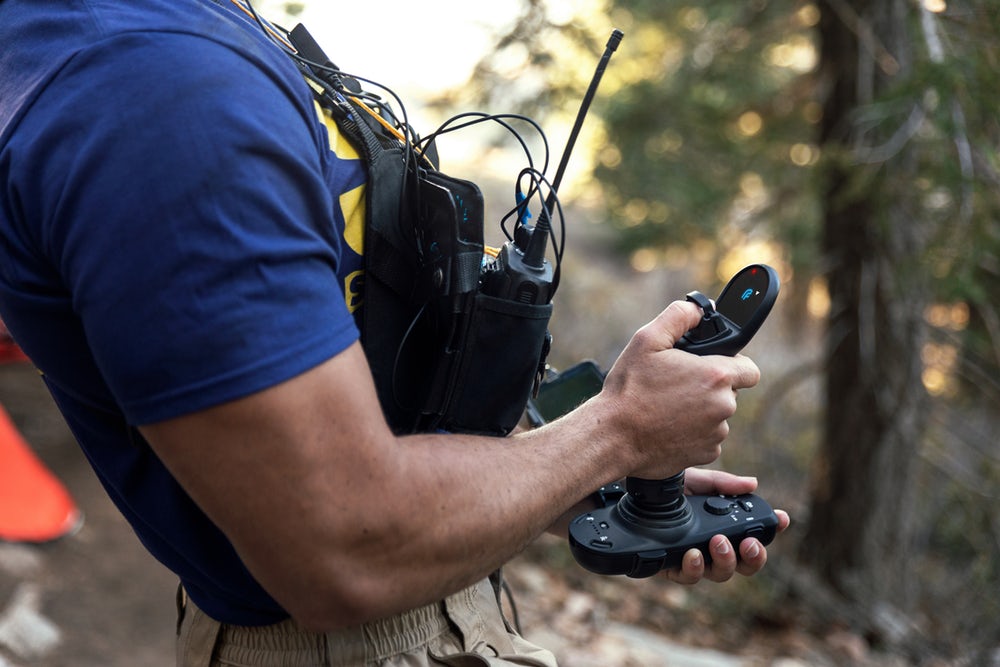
343	522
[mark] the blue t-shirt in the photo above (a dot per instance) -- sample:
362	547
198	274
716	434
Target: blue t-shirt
172	236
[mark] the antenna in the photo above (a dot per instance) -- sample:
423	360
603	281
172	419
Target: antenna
534	254
523	274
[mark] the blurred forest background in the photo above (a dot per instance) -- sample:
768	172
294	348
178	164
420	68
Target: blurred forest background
853	145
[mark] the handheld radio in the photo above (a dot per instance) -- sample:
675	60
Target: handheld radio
522	273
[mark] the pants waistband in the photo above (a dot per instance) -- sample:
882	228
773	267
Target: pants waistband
467	627
371	642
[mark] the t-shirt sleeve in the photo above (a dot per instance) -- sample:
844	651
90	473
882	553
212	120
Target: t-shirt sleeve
186	207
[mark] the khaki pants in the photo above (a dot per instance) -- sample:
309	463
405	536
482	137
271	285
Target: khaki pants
466	629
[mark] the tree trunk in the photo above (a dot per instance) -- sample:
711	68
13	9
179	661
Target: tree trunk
859	527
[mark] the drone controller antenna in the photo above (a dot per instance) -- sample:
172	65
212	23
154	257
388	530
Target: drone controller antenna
534	252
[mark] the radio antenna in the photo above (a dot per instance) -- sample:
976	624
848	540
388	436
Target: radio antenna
524	275
534	254
610	48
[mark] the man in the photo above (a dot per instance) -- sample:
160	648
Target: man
177	238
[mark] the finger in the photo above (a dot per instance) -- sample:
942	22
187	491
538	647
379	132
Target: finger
692	569
753	554
724	561
784	520
701	481
753	557
746	374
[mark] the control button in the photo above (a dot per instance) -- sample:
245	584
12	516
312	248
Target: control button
602	543
746	504
757	532
718	505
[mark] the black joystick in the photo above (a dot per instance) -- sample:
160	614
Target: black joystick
653	524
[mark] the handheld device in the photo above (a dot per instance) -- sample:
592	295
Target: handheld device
562	392
654	524
738	313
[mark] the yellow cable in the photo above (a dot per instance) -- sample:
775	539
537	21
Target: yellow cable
381	121
269	29
384	123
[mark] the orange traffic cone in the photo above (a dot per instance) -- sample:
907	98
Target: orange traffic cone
10	352
34	504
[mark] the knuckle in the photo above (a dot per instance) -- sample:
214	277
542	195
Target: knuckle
722	431
644	336
719	375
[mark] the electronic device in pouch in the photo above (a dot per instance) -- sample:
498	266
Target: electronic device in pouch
564	391
654	524
520	276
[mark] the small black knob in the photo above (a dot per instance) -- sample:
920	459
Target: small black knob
718	505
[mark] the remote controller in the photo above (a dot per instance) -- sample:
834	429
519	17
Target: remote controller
653	524
738	313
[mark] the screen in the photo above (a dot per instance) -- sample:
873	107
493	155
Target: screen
568	390
744	294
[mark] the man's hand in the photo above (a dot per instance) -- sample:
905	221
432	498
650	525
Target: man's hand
671	406
752	554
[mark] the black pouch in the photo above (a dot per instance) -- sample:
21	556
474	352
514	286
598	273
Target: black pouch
444	355
506	345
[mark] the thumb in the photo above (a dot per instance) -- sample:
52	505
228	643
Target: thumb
676	319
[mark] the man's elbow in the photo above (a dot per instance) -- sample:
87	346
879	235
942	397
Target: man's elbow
349	600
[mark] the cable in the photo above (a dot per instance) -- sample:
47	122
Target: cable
522	200
549	202
412	145
500	119
399	355
247	8
537	178
310	68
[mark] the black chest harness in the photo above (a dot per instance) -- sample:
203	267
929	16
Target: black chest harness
451	342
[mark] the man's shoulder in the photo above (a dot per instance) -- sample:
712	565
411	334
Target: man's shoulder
96	44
